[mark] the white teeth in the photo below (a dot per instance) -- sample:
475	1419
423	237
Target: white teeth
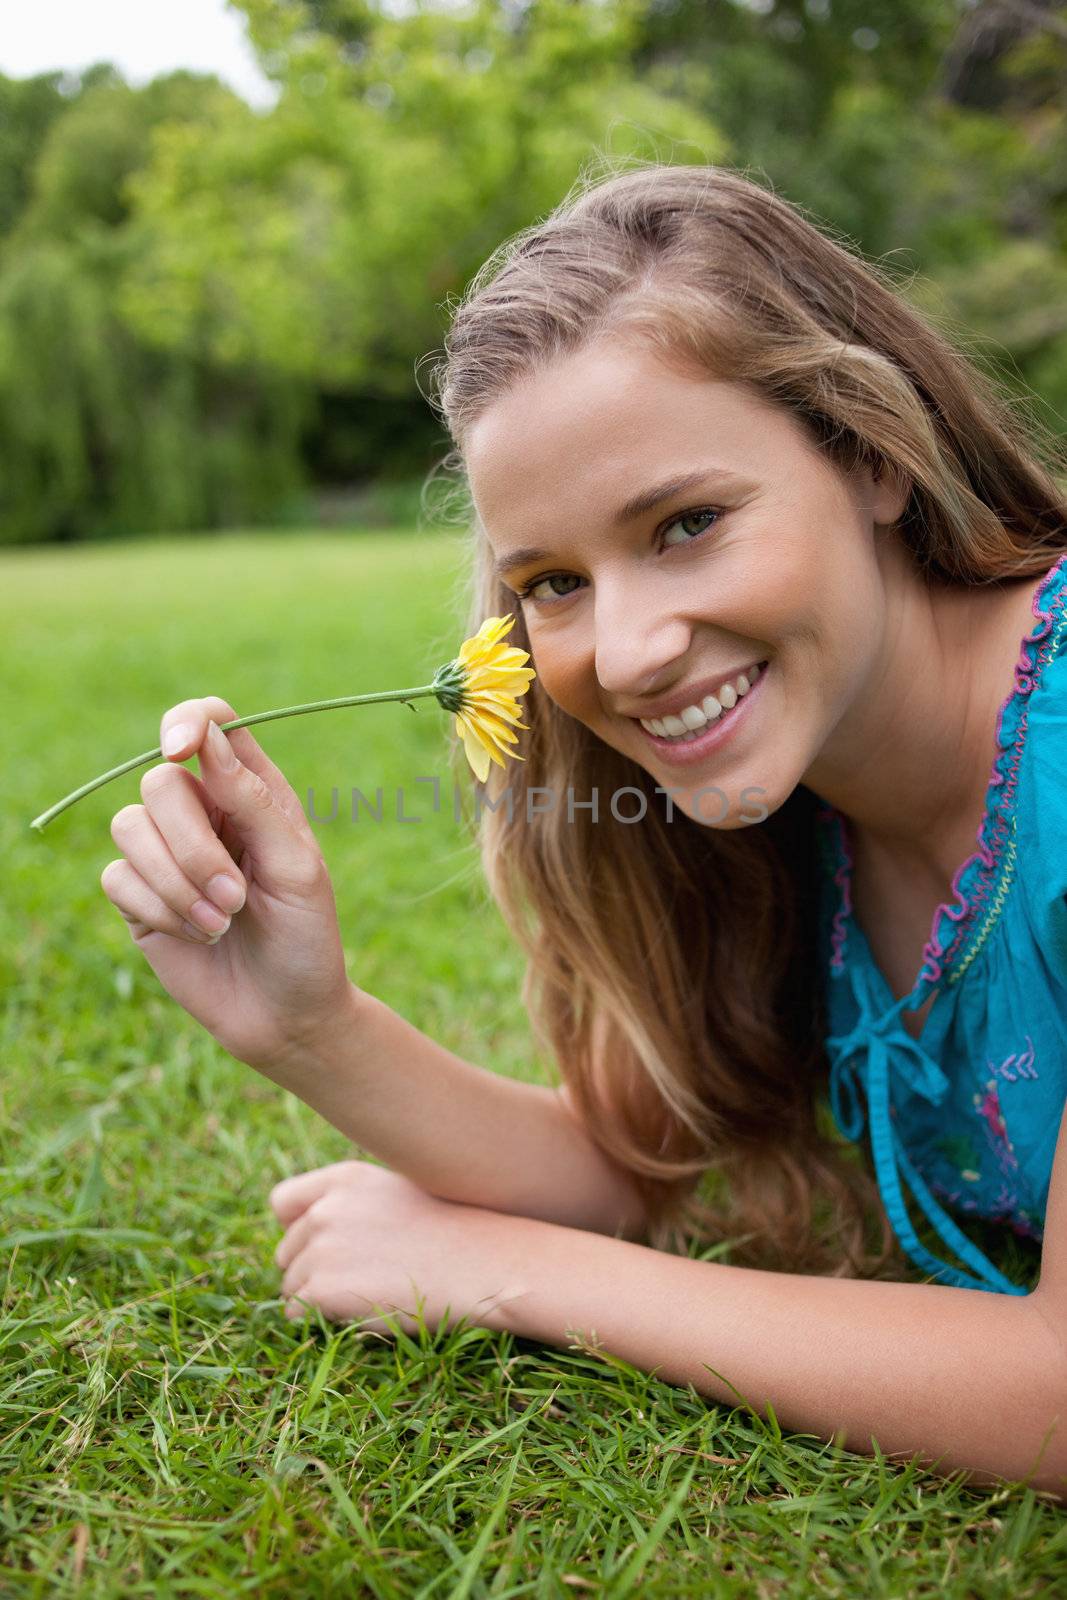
692	720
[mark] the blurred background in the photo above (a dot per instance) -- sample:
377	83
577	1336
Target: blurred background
229	233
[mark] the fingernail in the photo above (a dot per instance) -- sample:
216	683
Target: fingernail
225	892
220	745
199	934
177	738
209	917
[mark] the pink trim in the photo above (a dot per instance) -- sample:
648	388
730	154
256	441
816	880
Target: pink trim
1003	1209
843	879
995	825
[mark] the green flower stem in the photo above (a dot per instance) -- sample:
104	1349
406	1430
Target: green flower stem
242	722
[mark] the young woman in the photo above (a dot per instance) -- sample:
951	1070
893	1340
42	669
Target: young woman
793	577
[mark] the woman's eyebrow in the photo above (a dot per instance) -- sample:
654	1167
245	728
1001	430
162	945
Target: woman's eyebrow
651	498
648	500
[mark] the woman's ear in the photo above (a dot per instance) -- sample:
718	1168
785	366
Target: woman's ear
890	491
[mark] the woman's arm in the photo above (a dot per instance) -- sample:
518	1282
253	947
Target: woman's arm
459	1131
975	1378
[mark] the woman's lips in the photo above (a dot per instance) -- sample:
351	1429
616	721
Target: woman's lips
687	752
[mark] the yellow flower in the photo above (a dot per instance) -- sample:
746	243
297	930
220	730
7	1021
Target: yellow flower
482	687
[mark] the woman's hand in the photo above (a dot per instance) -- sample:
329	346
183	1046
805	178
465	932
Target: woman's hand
270	975
360	1239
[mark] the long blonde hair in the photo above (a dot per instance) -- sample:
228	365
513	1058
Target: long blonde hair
672	973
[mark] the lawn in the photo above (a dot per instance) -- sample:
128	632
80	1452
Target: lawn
163	1429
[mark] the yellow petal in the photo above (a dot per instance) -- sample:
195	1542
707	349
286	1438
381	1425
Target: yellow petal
497	669
492	694
510	682
498	656
485	645
494	628
487	732
480	751
477	757
502	704
487	638
481	711
495	734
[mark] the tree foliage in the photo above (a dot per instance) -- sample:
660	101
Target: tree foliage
205	309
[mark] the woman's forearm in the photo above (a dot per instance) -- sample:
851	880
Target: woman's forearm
975	1378
459	1131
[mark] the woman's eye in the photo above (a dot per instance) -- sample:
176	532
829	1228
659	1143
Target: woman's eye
689	532
691	526
529	592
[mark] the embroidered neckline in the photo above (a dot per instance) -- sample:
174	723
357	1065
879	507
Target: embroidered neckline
980	885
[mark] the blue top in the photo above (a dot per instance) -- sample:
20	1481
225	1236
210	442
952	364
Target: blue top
971	1113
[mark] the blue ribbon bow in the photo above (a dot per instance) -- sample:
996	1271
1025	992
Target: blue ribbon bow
883	1044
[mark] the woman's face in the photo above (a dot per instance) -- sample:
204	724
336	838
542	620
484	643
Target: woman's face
667	534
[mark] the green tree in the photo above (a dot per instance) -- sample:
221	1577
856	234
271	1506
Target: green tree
929	132
101	430
324	238
28	107
203	306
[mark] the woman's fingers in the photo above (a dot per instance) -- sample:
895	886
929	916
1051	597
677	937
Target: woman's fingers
296	1239
143	909
293	1195
141	842
287	857
175	846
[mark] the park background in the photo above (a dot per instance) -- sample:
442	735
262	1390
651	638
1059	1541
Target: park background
219	474
213	314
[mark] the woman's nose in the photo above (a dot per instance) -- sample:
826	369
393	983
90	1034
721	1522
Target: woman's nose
635	647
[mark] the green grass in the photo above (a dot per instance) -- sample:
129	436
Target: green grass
163	1429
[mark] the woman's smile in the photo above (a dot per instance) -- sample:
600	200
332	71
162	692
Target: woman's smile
703	726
